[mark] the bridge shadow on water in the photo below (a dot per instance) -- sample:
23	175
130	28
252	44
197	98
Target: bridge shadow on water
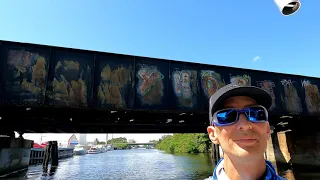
32	172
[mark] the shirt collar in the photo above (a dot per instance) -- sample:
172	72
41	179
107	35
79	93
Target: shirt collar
220	174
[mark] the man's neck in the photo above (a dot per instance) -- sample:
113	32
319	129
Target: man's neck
243	169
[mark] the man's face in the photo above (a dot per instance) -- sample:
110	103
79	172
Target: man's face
244	138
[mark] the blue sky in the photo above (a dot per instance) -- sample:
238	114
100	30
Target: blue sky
229	33
226	33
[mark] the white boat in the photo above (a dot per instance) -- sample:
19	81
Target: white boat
94	150
102	148
110	147
79	150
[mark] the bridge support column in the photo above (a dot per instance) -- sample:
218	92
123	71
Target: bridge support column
270	155
215	155
305	157
295	149
14	154
283	148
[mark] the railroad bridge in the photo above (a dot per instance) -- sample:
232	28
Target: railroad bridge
48	89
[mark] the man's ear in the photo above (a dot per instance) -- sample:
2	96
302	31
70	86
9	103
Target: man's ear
213	134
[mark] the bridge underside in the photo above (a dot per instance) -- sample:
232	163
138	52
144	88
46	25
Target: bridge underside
68	120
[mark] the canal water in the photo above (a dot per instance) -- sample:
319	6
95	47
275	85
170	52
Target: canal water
125	165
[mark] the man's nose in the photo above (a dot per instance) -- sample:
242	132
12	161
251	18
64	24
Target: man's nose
243	123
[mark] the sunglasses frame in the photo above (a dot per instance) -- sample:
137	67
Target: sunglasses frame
239	111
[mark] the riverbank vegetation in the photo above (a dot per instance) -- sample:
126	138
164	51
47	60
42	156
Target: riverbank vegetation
185	143
120	143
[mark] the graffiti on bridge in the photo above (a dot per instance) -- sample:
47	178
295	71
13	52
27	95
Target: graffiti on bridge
69	86
150	85
244	80
129	82
312	96
290	98
26	75
211	82
268	86
185	87
111	90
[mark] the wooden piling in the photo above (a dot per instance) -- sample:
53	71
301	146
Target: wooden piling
54	154
47	154
215	155
51	153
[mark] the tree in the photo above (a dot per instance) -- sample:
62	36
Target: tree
132	141
185	143
118	140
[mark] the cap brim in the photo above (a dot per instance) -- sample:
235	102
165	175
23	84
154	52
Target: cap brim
260	96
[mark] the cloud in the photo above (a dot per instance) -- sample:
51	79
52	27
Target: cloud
256	58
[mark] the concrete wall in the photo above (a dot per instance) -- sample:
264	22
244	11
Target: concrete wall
14	154
295	153
306	149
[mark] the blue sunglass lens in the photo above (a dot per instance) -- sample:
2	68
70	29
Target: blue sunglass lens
229	116
256	114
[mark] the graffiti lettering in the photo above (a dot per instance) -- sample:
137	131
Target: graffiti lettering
305	83
268	86
285	82
210	82
312	96
207	73
241	80
176	83
148	77
291	100
181	83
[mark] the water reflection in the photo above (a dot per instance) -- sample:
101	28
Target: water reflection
131	164
125	164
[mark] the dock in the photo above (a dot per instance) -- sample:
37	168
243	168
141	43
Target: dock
37	154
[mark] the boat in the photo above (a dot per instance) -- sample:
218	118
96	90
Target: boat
94	150
79	150
110	147
102	148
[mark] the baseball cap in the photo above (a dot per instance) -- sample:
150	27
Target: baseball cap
216	101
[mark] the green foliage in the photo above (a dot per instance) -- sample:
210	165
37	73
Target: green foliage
118	140
120	145
185	143
102	143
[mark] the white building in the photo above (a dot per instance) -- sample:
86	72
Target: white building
83	139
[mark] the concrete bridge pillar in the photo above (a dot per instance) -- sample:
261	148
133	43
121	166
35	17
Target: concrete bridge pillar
14	154
279	152
294	153
215	153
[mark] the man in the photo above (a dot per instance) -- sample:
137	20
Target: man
239	124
